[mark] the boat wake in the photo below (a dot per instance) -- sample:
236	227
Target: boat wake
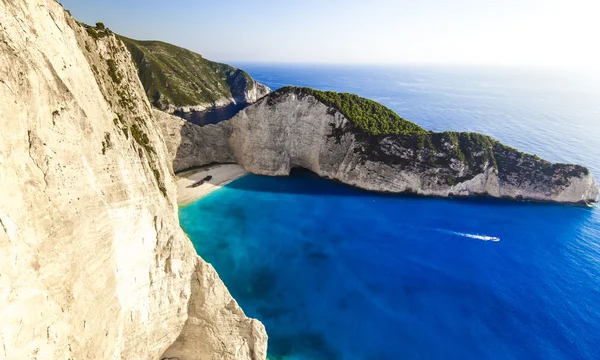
471	236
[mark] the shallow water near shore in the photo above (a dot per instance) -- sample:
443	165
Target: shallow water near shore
339	273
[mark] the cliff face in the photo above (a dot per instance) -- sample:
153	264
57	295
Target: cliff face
93	262
177	79
290	128
191	145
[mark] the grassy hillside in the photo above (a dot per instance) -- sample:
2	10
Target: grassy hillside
172	75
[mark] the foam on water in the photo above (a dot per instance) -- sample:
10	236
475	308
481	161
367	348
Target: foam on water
472	236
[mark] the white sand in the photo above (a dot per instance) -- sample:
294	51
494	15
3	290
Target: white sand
222	174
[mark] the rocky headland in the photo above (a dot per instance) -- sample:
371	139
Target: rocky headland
362	143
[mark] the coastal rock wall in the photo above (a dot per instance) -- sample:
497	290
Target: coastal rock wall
287	130
93	262
182	139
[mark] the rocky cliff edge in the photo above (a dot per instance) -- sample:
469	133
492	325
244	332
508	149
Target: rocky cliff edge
93	262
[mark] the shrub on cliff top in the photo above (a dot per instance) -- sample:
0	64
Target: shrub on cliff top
97	32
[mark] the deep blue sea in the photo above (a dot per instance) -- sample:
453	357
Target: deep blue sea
338	273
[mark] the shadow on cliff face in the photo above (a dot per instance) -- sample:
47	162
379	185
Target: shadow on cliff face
304	182
300	181
213	116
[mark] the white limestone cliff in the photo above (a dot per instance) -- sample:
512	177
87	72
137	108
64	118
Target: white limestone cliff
286	130
93	262
256	92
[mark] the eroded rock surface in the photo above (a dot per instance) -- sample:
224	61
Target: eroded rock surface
93	262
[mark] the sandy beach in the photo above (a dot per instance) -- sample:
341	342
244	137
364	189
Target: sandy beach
222	174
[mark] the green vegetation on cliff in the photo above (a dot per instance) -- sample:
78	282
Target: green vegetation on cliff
377	119
97	32
434	148
175	76
368	115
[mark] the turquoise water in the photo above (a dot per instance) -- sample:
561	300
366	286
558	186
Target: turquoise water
338	273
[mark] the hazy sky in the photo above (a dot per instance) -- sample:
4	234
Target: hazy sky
504	32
